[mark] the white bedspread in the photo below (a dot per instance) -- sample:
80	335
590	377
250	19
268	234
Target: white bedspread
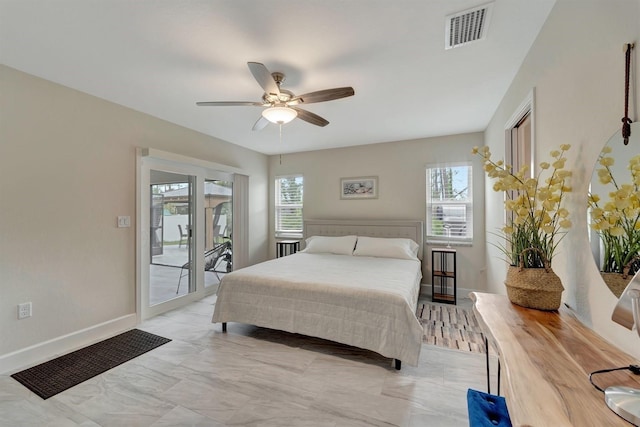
360	301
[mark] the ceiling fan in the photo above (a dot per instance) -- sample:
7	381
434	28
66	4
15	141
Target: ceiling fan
282	104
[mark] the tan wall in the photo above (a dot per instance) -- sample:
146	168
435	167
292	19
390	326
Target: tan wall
576	66
67	170
400	167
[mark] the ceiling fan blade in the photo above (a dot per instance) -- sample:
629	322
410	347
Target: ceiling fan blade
326	95
260	124
310	117
228	104
264	77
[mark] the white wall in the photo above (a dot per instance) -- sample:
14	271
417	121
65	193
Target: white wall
67	170
576	66
400	167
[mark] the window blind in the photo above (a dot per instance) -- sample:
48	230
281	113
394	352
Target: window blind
449	215
288	205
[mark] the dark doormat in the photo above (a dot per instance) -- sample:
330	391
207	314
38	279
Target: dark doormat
52	377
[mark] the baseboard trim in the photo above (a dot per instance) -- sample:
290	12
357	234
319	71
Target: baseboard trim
41	352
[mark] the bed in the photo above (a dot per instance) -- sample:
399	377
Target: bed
364	297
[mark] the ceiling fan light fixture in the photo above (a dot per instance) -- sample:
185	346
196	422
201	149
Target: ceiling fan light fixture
279	115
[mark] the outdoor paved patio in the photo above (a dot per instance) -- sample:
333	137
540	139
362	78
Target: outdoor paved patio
164	274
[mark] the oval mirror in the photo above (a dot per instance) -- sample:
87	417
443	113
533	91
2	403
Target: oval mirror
614	210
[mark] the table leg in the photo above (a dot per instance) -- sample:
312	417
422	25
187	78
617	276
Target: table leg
486	351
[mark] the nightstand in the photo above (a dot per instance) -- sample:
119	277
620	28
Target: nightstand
443	275
287	247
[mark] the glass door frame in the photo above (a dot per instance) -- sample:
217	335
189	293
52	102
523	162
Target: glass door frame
147	163
185	279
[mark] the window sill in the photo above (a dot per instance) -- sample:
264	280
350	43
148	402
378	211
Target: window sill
288	236
444	243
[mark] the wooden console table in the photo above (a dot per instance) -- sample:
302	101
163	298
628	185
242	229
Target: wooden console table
546	359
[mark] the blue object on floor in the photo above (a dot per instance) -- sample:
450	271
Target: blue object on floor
487	410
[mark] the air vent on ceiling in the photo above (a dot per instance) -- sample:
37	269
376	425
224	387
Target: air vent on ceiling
467	26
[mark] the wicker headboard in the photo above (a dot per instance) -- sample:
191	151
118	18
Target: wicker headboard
372	228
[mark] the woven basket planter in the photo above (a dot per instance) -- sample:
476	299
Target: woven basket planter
538	288
616	282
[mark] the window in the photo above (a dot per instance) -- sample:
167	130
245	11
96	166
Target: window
289	206
449	203
519	136
518	143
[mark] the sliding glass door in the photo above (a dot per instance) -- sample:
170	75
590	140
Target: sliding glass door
186	243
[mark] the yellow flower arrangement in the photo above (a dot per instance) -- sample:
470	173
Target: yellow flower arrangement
617	220
536	218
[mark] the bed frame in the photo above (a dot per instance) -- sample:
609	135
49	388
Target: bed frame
413	230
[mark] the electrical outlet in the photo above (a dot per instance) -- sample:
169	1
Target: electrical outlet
24	310
124	221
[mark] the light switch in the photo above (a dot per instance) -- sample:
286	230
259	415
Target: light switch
124	221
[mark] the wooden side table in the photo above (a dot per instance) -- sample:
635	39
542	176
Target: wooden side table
287	247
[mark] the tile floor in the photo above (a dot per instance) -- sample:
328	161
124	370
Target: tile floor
255	377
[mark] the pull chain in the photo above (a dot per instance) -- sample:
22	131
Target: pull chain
280	125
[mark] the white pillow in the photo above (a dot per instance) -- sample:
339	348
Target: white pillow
386	248
342	245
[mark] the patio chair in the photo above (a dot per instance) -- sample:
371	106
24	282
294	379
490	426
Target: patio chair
184	235
212	259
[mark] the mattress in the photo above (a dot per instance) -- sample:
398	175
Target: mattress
366	302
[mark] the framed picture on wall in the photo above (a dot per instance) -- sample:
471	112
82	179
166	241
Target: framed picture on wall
365	187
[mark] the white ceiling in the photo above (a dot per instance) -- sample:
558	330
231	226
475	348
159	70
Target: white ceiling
161	56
